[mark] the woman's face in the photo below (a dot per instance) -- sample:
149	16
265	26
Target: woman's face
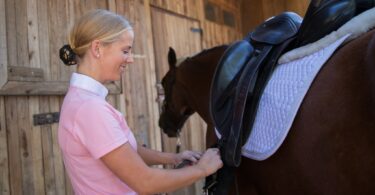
116	56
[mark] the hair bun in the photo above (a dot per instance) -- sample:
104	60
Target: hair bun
67	55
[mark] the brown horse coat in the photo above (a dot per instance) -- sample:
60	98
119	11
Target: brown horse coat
330	148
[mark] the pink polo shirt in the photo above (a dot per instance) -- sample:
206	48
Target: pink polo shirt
89	128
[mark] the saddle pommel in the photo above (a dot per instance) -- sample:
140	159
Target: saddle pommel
277	29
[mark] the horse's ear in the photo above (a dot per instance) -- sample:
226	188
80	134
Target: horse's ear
172	59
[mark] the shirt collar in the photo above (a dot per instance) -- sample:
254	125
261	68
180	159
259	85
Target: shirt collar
89	84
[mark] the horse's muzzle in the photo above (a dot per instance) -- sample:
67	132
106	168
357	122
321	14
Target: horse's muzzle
167	126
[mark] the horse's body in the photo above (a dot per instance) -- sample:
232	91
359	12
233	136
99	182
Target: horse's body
330	148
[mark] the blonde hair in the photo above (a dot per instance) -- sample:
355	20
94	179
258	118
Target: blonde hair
97	24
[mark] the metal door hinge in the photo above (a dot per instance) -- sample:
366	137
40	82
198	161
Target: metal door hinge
196	30
46	118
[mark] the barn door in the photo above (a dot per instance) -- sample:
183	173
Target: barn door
181	33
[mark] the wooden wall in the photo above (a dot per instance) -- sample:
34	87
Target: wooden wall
33	31
255	12
173	20
33	80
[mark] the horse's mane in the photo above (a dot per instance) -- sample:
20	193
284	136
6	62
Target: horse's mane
205	51
197	56
201	64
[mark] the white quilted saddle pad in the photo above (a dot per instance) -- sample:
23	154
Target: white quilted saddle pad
281	99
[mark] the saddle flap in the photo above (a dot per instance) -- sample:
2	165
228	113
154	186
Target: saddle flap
230	64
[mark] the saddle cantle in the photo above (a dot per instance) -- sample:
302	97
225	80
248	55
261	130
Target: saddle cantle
323	17
363	5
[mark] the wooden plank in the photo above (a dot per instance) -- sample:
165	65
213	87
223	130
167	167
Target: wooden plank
71	16
139	106
15	169
121	8
44	45
4	159
180	7
54	106
3	45
33	34
111	100
100	4
226	4
54	33
22	73
297	6
44	88
68	185
154	131
21	33
36	148
25	141
10	30
47	147
168	28
64	72
112	5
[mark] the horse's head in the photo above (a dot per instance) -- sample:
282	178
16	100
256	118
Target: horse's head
175	108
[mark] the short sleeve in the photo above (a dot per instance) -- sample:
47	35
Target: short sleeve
98	127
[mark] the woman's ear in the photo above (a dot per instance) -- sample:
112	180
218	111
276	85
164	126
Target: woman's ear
94	49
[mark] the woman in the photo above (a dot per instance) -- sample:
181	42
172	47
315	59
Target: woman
100	152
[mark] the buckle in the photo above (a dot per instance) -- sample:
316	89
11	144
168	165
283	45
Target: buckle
207	188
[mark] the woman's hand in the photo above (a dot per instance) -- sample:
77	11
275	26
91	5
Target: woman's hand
210	162
192	156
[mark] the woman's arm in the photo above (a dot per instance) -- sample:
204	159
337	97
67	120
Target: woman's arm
130	168
153	157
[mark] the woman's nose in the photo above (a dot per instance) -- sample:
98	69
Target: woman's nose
130	59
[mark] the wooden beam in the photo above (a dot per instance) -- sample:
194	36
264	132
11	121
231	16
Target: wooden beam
23	73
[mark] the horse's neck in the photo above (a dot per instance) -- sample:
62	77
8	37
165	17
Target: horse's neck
197	79
197	84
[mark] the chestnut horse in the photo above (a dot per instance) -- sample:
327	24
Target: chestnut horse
330	148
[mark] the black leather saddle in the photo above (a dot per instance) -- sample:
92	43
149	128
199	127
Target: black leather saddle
245	67
236	76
